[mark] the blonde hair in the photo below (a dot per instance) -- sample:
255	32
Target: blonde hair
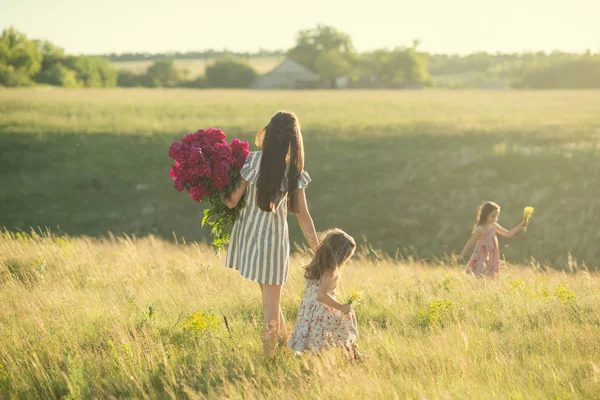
335	249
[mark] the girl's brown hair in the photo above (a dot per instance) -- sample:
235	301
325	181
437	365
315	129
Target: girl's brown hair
334	250
282	151
484	212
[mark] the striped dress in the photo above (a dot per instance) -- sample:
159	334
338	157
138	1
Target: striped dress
259	246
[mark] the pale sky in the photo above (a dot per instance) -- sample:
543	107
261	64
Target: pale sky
443	26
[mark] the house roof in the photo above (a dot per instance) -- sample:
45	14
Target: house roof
289	66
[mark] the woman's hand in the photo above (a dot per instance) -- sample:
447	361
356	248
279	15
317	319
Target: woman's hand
237	194
460	258
305	220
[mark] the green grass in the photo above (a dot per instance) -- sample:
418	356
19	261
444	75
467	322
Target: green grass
91	318
403	170
196	67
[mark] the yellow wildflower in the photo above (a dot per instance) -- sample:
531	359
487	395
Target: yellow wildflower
200	323
354	297
527	214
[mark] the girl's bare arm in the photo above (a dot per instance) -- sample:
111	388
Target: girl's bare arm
328	282
510	233
477	234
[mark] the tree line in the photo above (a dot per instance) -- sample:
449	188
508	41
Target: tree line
25	62
190	55
323	49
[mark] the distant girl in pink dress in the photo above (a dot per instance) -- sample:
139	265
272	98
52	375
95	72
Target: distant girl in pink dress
323	322
485	261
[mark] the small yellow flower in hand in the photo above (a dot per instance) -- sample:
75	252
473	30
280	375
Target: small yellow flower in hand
354	297
527	214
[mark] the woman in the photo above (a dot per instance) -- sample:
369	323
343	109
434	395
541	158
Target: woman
273	183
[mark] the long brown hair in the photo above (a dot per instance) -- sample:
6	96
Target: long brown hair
333	252
484	212
282	150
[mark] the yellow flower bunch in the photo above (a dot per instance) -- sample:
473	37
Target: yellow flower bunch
527	214
354	297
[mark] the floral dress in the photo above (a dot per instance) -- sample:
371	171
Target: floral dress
319	326
485	260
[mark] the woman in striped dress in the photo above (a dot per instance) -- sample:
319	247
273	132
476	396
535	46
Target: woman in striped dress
273	183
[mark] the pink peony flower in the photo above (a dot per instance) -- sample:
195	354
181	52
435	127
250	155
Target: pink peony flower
214	136
197	192
220	177
200	170
190	176
175	172
195	155
178	151
188	138
194	139
179	184
221	154
239	153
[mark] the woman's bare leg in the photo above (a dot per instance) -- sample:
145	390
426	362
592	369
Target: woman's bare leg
271	296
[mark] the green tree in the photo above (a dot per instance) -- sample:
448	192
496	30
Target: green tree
583	73
230	73
162	73
54	71
59	75
402	65
20	58
199	82
332	64
50	53
313	43
129	79
92	72
407	66
371	66
73	71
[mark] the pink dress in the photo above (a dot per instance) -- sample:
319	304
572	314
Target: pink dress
485	260
319	326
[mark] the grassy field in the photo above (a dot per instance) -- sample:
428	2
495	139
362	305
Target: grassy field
108	318
403	171
196	67
85	314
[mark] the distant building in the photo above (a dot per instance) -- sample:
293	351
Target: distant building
288	75
342	82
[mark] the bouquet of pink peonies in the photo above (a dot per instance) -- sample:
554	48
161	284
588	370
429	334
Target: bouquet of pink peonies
209	169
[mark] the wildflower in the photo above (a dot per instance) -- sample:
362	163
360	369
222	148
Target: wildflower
354	297
527	214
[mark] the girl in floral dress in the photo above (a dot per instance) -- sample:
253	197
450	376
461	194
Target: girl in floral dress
322	321
485	261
